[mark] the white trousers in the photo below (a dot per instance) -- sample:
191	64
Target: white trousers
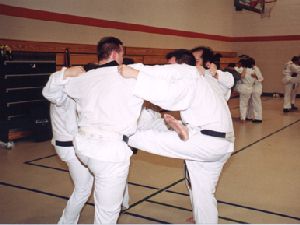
205	157
290	92
245	92
110	182
83	183
255	105
126	198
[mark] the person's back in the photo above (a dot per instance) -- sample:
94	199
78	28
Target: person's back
107	110
209	109
106	105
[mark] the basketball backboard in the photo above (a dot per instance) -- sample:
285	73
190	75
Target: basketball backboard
252	5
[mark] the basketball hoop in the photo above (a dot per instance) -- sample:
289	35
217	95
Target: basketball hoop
268	6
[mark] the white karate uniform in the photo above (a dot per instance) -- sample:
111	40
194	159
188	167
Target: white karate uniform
150	119
245	89
64	126
180	88
255	105
107	110
290	83
225	82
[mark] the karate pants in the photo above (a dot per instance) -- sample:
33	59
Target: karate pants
290	91
205	157
83	183
245	92
255	105
126	198
110	182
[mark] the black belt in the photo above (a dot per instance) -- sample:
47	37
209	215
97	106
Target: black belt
126	139
64	143
70	144
213	133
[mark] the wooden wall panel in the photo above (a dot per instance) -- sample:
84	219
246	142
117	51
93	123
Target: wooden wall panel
76	59
229	60
135	58
227	54
146	51
34	46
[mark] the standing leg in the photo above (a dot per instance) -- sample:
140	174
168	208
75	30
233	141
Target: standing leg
250	111
293	96
204	177
256	100
110	183
126	198
83	183
287	96
244	99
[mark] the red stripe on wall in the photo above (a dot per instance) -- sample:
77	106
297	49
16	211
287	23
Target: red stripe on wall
87	21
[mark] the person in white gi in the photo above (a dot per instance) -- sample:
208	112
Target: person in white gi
245	87
220	81
207	63
291	80
178	87
64	125
255	106
107	110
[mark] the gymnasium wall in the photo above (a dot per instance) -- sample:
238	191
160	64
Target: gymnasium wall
281	35
171	16
161	24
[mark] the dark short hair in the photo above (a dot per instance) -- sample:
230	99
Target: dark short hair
199	48
231	65
182	56
252	61
245	62
244	56
128	61
216	59
295	58
107	45
207	56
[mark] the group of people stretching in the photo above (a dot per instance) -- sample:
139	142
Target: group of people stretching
98	116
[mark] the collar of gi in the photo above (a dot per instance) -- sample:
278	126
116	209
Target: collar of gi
92	66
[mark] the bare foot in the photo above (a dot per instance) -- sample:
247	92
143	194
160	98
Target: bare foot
190	220
177	126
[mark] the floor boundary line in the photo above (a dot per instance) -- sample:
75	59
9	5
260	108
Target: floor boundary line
185	209
264	137
67	198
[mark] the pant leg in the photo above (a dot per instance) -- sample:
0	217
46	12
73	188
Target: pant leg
294	93
126	198
207	153
198	147
83	183
244	100
256	102
204	177
289	92
287	95
110	182
250	111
